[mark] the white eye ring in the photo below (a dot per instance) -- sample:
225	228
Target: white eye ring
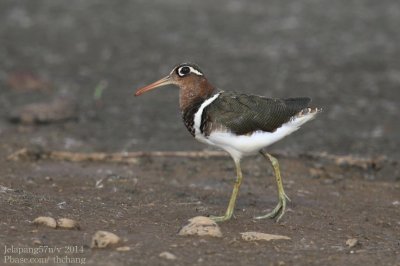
191	70
186	72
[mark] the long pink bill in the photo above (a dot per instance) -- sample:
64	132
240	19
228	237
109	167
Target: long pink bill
162	82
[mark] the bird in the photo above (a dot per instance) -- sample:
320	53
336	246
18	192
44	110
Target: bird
239	123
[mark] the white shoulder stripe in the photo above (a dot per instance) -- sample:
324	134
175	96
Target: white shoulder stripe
197	116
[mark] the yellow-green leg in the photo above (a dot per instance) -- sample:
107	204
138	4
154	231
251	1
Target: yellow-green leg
280	208
232	201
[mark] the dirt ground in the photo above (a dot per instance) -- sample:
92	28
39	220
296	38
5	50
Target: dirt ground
146	204
79	63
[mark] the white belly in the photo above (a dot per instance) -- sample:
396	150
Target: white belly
239	146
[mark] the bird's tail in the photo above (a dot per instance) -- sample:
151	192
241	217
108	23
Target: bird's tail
304	116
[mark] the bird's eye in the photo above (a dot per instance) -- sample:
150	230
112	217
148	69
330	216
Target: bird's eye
182	71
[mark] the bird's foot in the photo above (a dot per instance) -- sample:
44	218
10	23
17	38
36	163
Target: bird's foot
218	219
279	210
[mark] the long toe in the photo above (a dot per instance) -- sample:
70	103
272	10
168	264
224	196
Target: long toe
271	214
219	218
279	210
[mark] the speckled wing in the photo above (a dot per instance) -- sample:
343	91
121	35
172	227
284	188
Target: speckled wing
243	114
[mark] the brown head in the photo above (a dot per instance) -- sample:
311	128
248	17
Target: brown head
190	79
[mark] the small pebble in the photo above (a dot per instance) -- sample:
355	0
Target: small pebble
66	223
255	236
37	242
167	255
102	239
46	221
123	249
352	242
201	226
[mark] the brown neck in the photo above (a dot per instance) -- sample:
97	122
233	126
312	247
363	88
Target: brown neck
192	92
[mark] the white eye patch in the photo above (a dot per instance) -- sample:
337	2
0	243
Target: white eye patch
195	71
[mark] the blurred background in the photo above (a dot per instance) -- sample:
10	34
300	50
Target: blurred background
68	70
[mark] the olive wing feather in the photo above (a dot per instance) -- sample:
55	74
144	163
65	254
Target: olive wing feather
243	114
